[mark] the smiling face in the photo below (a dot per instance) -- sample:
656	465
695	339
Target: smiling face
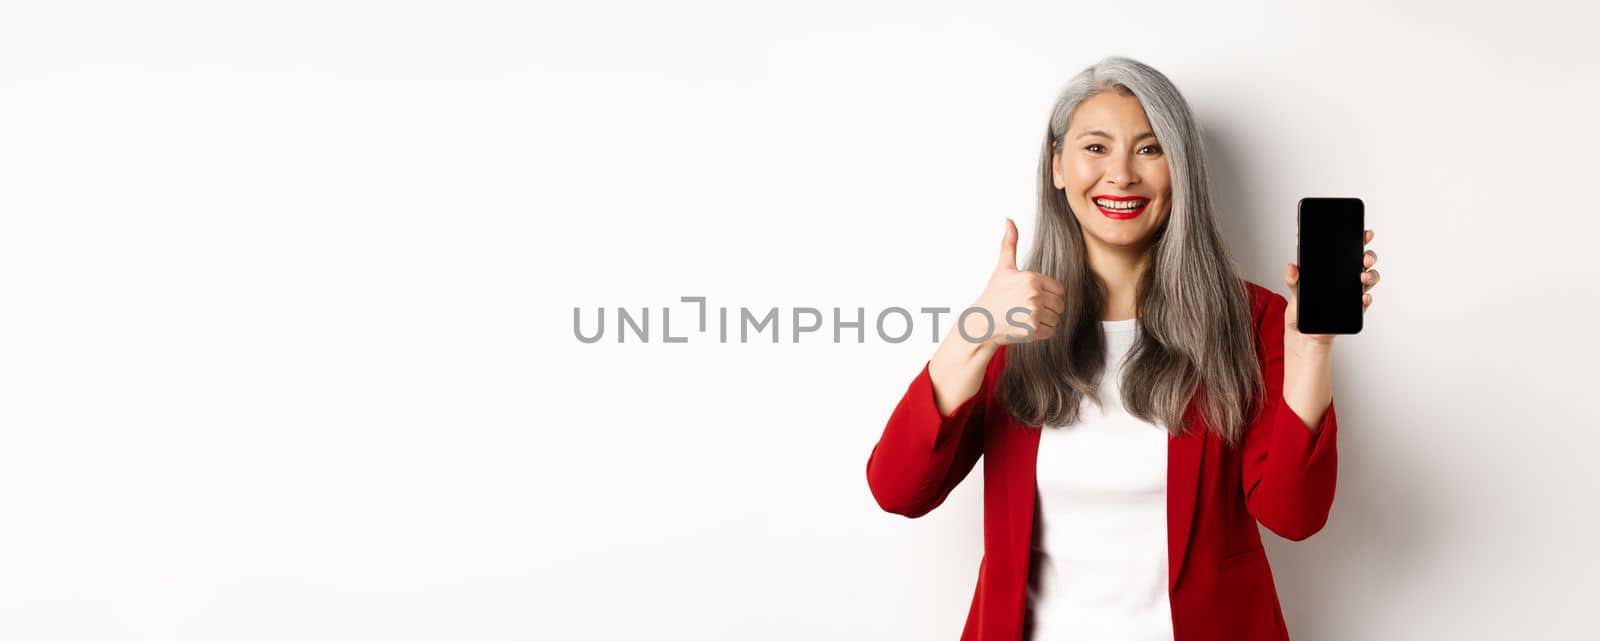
1114	174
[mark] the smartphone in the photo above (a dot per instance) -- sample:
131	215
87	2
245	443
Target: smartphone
1330	252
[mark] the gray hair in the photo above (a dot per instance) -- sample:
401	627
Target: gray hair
1193	306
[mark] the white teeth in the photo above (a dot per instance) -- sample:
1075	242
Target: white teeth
1123	205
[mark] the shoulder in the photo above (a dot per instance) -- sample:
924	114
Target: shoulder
995	370
1264	302
997	363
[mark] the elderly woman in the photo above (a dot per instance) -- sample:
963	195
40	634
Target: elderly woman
1150	411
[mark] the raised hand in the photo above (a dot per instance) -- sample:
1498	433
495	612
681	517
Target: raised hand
1040	297
1293	339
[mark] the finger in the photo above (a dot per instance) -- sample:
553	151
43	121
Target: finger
1038	328
1369	278
1366	301
1369	259
1051	285
1368	238
1291	319
1008	247
1049	301
1056	303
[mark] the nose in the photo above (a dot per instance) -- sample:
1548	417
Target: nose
1120	171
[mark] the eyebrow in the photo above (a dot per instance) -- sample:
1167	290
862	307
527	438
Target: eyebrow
1097	132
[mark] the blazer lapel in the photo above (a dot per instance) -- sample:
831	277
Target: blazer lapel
1184	456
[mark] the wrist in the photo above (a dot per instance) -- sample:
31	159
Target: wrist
1307	350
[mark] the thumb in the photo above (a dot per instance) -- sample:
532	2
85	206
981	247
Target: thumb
1008	248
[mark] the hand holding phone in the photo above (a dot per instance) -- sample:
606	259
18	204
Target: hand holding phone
1330	255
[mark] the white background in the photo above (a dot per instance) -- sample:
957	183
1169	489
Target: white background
286	293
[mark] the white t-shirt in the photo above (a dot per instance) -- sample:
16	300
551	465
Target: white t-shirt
1100	532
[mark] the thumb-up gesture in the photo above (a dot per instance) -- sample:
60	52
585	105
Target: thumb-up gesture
1025	306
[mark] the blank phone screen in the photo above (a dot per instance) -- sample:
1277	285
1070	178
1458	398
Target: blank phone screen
1330	256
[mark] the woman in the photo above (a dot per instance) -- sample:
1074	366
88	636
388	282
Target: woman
1133	517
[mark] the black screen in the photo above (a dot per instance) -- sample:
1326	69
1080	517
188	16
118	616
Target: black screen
1330	257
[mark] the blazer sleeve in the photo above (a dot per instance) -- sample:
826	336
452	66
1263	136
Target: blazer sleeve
1289	470
922	454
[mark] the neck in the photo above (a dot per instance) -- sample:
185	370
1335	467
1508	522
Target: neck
1121	268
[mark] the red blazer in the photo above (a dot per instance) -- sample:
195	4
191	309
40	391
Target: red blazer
1220	585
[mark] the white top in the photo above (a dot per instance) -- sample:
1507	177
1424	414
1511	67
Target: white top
1099	568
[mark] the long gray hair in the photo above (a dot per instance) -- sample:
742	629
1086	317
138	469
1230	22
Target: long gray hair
1193	307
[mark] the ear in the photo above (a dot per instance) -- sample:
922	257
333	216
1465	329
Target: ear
1055	168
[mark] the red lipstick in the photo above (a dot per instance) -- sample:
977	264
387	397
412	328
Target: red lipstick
1122	214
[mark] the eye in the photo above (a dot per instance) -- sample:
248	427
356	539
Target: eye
1096	147
1154	149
